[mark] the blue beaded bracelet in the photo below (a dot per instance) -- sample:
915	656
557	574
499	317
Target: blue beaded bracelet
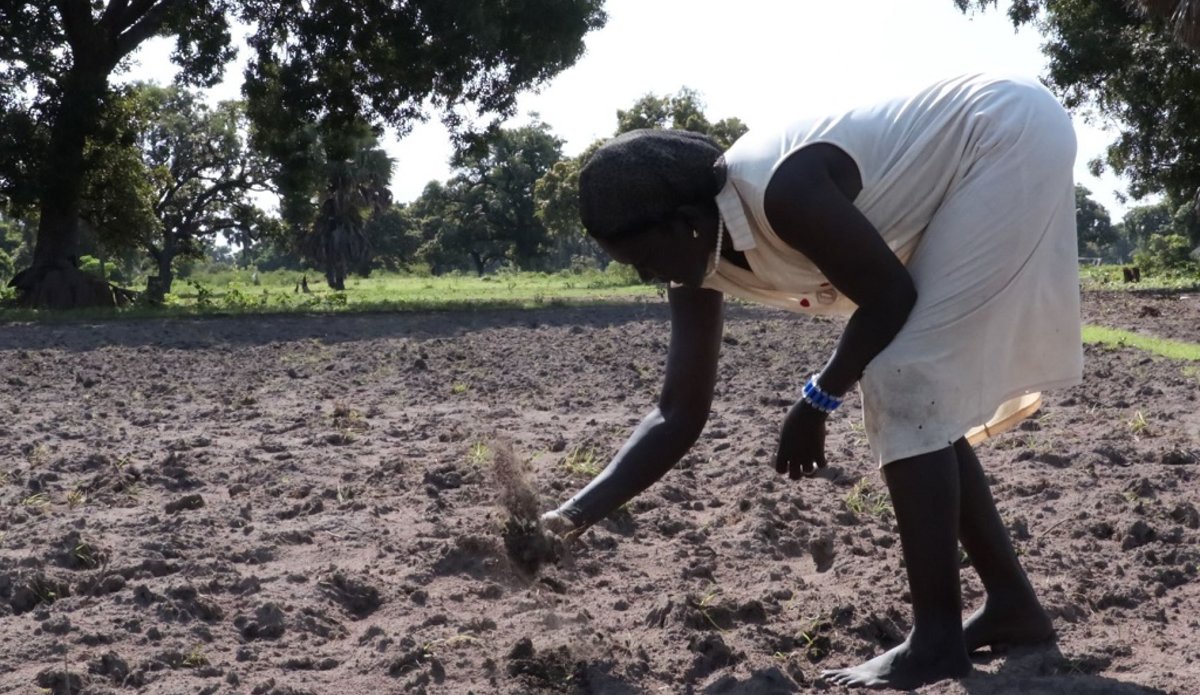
816	397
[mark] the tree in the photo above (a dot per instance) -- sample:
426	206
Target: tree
382	61
556	205
55	60
498	185
117	212
683	110
439	218
357	177
202	173
486	211
1097	237
1144	221
16	239
1110	60
394	237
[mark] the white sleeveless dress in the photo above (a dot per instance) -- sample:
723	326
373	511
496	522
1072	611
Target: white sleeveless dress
970	183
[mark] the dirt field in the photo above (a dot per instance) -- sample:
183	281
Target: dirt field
306	505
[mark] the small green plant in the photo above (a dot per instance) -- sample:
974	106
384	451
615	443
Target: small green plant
1139	426
864	499
195	658
458	388
582	461
479	453
706	603
816	643
859	431
86	555
76	498
38	501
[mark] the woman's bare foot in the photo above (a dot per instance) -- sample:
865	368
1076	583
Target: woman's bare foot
999	625
905	667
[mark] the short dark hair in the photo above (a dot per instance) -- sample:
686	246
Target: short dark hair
640	178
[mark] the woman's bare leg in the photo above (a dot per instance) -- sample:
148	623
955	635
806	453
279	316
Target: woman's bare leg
1011	614
925	495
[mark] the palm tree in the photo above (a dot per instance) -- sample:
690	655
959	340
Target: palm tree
357	189
1182	15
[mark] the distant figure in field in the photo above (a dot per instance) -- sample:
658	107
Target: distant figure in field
943	225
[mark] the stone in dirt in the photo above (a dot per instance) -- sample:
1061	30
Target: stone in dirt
822	551
358	597
187	502
268	623
60	682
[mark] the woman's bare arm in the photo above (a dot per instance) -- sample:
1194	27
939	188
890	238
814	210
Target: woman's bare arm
666	434
810	205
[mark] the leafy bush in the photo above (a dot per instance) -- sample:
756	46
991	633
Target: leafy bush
91	266
622	273
1166	252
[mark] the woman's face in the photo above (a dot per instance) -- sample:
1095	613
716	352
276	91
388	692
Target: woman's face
670	251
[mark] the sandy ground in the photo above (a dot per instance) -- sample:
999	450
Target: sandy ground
297	505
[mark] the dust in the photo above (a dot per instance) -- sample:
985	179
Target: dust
526	541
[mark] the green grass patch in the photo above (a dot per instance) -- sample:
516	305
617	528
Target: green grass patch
233	292
1110	277
1117	338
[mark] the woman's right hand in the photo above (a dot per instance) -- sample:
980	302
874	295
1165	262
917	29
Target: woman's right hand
801	442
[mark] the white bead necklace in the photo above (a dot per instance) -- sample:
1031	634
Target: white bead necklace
720	239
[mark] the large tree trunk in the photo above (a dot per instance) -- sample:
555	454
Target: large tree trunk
335	276
54	280
157	286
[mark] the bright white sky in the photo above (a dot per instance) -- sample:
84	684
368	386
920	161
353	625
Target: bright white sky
753	59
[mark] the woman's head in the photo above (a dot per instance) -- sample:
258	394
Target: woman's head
646	193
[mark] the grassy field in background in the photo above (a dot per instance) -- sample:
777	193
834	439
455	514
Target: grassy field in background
236	292
277	291
225	292
1109	277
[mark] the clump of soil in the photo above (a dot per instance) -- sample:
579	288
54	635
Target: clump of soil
528	545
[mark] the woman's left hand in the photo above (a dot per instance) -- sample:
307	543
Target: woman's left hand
801	441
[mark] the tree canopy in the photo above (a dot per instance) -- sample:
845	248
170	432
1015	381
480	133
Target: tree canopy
1110	60
324	63
486	211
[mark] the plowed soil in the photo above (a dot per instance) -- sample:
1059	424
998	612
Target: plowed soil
294	505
